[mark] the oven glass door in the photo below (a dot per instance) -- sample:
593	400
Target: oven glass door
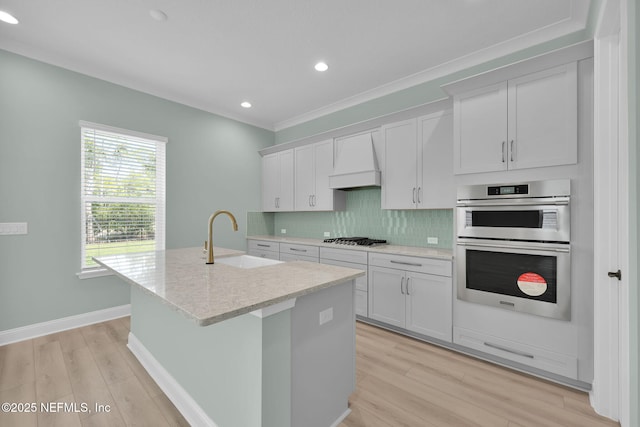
532	278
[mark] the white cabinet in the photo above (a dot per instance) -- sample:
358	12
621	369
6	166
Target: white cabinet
526	122
418	155
351	259
295	252
313	165
264	249
277	181
411	293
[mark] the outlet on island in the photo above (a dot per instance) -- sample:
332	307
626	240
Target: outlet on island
326	315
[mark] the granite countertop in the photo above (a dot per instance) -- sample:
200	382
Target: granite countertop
445	254
213	293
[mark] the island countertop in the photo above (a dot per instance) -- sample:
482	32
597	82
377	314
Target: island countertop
213	293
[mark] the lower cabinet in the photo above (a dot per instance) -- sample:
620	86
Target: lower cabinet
405	298
264	249
351	259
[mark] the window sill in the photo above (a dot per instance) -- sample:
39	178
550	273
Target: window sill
91	273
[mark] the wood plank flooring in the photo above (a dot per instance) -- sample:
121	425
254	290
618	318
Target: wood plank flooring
400	382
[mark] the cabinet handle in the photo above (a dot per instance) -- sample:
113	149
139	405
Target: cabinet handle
508	350
314	200
419	189
415	264
401	285
310	200
512	150
297	250
263	245
408	278
503	143
414	194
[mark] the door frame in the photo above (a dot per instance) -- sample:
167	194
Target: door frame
611	393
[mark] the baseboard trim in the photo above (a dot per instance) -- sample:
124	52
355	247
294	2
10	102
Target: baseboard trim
341	418
188	407
63	324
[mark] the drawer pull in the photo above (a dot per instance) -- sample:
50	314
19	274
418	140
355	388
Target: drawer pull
298	250
263	245
508	350
414	264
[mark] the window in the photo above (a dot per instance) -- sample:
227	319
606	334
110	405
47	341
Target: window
122	192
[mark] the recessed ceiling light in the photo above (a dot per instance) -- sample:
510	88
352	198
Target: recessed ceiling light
321	66
246	104
158	15
7	17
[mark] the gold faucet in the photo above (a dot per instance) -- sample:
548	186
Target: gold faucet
209	243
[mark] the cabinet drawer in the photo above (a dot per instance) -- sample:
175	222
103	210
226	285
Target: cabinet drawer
304	250
345	255
265	254
296	257
263	245
536	357
438	267
361	282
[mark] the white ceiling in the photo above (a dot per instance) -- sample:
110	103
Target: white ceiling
214	54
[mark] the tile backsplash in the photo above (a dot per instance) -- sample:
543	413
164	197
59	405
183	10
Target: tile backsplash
363	217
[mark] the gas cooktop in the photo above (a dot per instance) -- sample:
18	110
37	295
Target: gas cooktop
355	241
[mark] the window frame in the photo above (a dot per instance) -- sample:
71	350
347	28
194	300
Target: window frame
160	193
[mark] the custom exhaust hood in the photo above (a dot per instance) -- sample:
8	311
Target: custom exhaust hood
356	164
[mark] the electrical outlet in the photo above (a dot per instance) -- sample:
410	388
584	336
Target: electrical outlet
8	228
327	234
283	231
432	240
326	315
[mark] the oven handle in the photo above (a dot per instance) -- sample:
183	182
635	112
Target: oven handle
537	248
556	201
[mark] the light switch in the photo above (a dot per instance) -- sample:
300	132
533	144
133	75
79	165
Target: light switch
283	231
432	240
8	228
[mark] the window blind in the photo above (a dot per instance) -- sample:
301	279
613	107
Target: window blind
122	192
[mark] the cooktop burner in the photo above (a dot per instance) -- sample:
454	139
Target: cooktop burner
359	241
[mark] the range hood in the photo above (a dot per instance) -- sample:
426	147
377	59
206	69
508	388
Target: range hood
356	164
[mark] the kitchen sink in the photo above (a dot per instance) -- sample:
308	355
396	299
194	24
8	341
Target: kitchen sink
246	261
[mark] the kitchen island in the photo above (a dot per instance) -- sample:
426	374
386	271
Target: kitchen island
270	345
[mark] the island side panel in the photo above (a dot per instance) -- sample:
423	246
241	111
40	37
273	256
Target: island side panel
323	356
276	370
219	366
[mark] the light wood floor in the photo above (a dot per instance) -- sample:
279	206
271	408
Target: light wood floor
400	382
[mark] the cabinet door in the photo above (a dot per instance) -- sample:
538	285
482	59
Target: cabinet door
543	118
304	177
480	130
429	305
400	165
270	181
386	296
436	188
323	196
285	196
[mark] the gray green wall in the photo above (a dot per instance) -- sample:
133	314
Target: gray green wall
634	214
212	163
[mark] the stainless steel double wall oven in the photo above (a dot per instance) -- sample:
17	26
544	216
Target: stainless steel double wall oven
514	246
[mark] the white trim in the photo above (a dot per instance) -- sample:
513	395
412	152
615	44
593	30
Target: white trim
275	308
63	324
91	273
128	132
341	418
577	22
188	407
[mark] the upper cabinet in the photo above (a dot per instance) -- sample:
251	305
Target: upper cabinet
277	181
313	165
418	163
525	122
